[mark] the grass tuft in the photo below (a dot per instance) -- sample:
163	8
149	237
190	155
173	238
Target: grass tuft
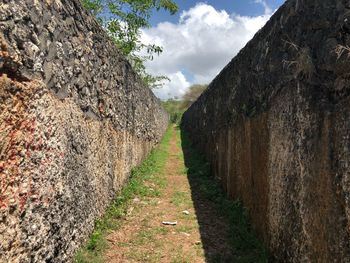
180	198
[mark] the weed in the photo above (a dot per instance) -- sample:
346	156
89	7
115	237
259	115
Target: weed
291	44
340	50
303	65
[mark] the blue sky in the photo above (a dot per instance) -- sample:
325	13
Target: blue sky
201	39
242	7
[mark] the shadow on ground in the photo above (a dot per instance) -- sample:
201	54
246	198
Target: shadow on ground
226	235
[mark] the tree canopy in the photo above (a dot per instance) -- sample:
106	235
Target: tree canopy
176	107
123	20
192	94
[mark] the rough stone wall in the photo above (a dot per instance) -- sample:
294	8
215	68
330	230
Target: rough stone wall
275	125
74	120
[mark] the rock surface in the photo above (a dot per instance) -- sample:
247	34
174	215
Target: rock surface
74	120
275	126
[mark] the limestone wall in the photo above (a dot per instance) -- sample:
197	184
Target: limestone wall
74	120
275	126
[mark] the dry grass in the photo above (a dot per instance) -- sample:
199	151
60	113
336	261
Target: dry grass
291	44
340	50
303	65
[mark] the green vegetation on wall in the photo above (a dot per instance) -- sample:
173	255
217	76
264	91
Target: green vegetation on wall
123	20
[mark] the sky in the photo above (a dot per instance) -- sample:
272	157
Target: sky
201	39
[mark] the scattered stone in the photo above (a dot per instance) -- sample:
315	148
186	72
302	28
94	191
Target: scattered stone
129	212
186	212
136	200
170	223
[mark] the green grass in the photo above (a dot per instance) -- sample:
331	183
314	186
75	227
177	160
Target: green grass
146	236
147	182
151	172
145	256
179	256
185	229
245	245
180	198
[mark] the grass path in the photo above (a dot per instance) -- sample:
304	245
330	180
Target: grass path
173	185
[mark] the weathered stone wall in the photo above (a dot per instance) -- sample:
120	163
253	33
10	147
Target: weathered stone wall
275	125
74	120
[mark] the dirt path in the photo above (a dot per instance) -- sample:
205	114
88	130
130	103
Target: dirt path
199	235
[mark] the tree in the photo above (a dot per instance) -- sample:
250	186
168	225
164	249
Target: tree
123	20
176	107
192	95
175	110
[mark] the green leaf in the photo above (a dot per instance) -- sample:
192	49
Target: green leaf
123	21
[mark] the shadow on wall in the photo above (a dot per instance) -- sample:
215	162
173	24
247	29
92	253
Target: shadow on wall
226	234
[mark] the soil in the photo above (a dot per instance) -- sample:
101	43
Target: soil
198	236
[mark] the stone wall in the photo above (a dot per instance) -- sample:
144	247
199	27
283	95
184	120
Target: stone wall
74	120
275	126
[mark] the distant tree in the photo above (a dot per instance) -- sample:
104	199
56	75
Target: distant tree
192	95
175	110
123	20
176	107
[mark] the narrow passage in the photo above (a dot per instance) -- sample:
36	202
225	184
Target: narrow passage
187	195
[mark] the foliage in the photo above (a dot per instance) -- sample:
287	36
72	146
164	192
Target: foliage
176	108
192	94
151	171
123	20
94	6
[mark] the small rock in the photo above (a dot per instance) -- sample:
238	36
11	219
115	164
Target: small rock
186	212
170	223
197	242
136	200
129	212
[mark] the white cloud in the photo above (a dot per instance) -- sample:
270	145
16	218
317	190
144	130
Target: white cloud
200	45
268	10
175	88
